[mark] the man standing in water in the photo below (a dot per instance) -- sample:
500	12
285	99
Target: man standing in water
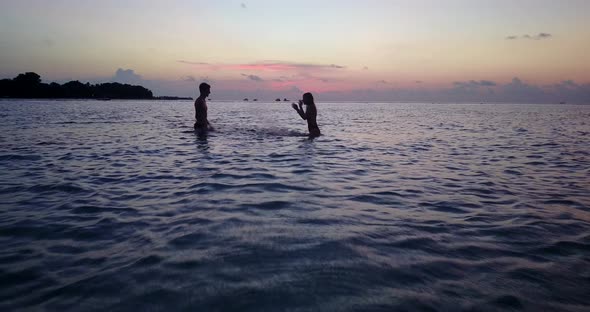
202	124
310	114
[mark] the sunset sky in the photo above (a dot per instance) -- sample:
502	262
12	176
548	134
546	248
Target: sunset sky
429	50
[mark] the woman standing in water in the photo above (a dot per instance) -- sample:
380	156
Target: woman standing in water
310	114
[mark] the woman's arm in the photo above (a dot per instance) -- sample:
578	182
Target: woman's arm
300	110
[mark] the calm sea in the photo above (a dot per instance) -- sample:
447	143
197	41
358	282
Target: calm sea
118	205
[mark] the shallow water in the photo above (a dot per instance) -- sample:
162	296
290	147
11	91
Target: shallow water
119	205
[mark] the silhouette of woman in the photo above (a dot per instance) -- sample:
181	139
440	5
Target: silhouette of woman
310	114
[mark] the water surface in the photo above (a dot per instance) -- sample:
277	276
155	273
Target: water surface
119	205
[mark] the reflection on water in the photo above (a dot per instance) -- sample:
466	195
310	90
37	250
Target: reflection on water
201	141
120	205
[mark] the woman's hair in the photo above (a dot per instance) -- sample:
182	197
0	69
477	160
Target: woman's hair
308	97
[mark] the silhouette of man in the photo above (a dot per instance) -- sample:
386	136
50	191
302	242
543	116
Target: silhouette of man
202	124
310	114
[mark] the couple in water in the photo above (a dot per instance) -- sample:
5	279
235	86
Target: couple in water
310	113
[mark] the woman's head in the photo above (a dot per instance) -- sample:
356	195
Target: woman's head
308	98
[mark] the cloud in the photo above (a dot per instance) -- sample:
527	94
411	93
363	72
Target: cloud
243	5
478	91
192	79
521	92
253	77
472	91
293	85
192	63
472	84
49	43
570	91
539	36
295	89
281	65
266	66
418	81
487	83
570	83
127	76
365	68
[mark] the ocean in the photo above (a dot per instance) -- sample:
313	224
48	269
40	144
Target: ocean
119	205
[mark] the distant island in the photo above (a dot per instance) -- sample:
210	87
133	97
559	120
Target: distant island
172	98
29	85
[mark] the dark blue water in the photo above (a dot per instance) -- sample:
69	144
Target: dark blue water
398	207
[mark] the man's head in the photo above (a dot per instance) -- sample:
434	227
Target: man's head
205	89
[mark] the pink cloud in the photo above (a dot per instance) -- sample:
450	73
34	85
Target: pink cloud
261	67
273	66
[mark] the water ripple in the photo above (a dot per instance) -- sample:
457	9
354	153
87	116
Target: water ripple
396	207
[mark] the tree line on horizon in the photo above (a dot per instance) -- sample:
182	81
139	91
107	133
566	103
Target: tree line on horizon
29	85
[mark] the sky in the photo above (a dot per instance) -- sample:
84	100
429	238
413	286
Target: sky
372	50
